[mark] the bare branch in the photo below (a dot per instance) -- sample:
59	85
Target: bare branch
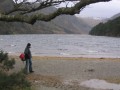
33	18
25	7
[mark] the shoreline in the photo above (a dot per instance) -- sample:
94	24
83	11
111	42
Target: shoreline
70	56
65	58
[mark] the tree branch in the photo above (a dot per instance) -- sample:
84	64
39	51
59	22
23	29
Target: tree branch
31	19
28	7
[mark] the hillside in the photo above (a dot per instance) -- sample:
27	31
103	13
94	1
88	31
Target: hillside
115	16
61	25
110	28
64	24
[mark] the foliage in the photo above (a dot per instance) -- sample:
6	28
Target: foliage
110	28
5	62
11	81
14	81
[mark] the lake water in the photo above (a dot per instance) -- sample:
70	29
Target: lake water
62	45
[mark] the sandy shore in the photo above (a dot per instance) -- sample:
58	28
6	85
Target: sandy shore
67	73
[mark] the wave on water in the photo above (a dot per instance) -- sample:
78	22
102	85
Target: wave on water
62	45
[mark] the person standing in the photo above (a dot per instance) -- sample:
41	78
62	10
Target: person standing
28	59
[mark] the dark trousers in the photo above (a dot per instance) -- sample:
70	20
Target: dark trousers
28	66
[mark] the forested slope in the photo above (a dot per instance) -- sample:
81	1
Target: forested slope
110	28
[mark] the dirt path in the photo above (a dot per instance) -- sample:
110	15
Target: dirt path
67	74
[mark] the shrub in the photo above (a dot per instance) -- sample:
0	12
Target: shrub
11	81
5	62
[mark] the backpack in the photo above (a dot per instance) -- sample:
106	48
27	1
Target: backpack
22	56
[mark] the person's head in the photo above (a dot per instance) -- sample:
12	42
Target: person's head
29	45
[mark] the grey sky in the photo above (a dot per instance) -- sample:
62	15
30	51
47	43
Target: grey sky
102	10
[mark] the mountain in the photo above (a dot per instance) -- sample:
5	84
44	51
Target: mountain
90	21
111	18
115	16
6	5
110	28
63	24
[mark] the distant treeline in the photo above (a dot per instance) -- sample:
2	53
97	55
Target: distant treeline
110	28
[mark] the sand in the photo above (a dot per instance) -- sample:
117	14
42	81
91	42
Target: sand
67	73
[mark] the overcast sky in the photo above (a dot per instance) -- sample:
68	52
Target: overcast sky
102	9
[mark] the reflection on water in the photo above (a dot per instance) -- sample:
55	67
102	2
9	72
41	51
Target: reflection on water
62	45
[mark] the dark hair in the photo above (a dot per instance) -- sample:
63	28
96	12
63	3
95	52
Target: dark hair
28	44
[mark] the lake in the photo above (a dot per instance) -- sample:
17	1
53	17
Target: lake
68	45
